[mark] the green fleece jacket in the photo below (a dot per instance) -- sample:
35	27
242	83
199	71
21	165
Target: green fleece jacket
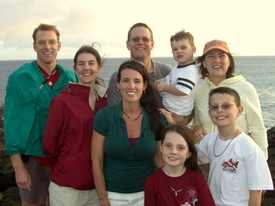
26	108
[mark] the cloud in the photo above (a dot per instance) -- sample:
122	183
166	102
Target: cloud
245	25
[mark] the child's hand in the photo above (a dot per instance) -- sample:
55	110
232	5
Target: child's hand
157	83
167	115
199	133
159	87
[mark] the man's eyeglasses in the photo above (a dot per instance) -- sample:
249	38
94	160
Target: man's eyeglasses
51	42
223	106
137	39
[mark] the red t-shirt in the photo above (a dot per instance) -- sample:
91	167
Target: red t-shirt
191	186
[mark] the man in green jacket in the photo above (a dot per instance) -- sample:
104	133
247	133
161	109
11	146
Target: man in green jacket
29	92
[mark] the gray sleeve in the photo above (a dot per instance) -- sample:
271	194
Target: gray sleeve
113	95
162	70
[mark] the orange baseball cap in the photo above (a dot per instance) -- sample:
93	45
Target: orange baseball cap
215	44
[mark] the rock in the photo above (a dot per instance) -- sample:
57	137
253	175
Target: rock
11	197
1	116
271	160
271	136
7	177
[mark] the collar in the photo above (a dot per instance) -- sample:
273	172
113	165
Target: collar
182	66
85	90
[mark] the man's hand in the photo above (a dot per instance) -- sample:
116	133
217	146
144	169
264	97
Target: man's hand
23	179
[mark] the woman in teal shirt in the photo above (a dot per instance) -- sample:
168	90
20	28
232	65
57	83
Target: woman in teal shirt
124	144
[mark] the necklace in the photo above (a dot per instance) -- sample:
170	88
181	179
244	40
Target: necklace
175	191
135	119
218	135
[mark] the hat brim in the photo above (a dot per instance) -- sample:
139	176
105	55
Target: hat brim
216	47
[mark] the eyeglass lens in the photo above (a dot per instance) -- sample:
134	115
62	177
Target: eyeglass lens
223	106
51	42
137	39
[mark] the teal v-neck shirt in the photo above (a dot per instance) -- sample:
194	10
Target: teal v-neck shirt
125	168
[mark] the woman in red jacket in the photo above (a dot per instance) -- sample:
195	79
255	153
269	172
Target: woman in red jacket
69	131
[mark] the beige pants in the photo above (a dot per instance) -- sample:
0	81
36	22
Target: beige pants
67	196
121	199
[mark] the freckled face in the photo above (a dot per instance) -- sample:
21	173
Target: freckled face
174	149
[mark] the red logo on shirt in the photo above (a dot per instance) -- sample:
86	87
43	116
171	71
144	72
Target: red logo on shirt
230	166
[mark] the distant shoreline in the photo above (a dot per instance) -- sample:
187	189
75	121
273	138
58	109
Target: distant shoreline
234	54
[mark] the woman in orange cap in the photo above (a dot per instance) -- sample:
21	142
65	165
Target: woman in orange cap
217	68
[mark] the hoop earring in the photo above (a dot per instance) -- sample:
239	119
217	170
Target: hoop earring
118	89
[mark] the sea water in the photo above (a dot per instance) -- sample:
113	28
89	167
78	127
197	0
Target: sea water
258	70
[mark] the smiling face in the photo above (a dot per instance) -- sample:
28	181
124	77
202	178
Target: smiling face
131	85
46	46
223	109
183	51
140	43
217	63
87	68
174	150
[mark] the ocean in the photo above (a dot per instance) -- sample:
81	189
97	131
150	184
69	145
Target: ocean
258	70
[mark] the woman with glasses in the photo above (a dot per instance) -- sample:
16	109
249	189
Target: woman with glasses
69	130
124	144
217	68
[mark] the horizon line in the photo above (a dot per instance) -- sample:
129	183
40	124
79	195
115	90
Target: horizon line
233	54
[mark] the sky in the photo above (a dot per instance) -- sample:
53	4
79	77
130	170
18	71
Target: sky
248	26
